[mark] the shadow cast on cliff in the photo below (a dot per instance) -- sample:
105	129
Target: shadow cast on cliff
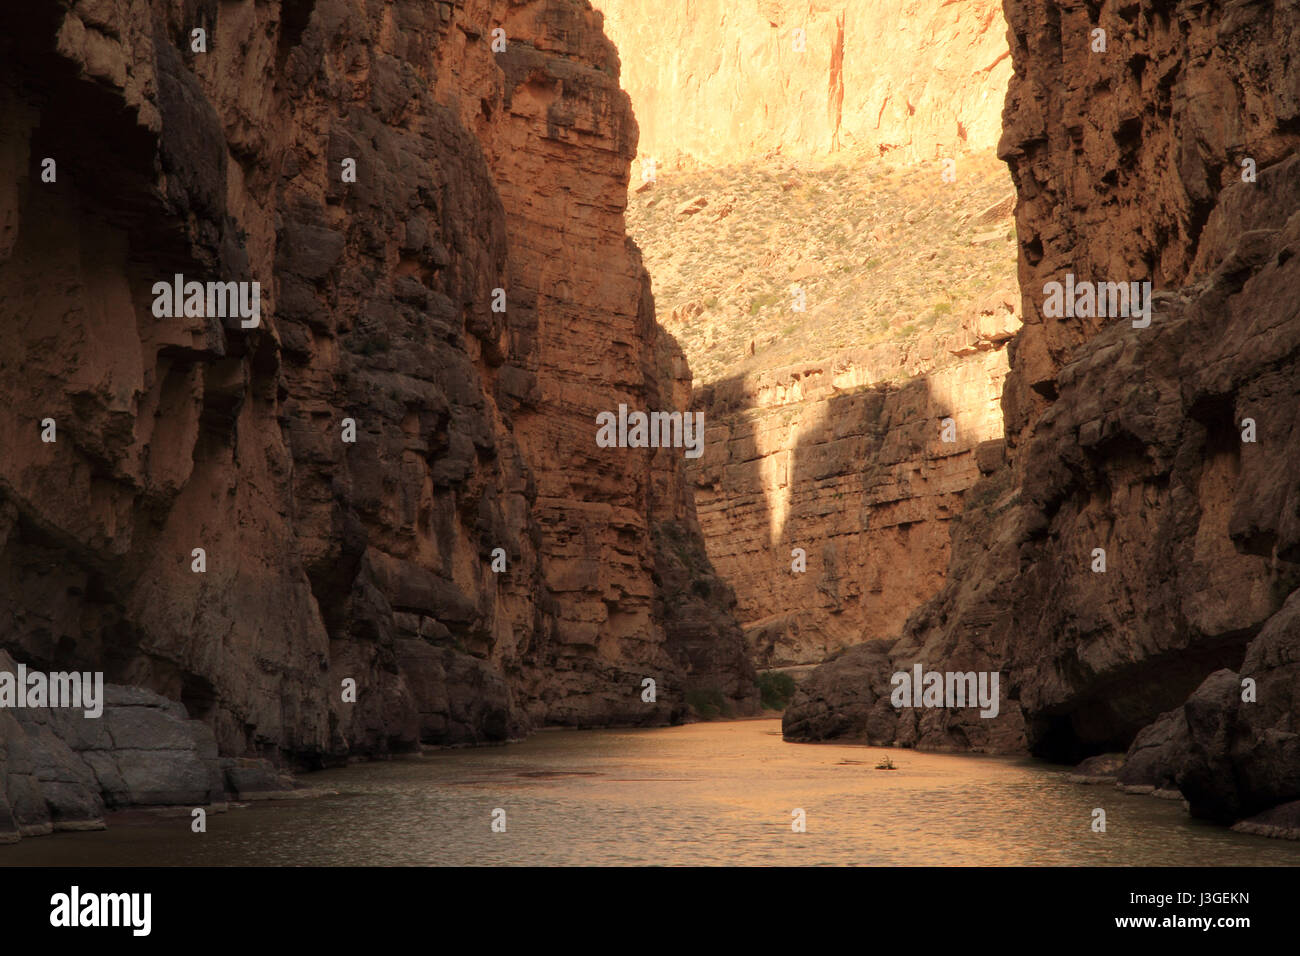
860	479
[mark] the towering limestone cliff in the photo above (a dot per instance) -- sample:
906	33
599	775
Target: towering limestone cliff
715	81
437	229
1173	155
826	488
832	469
827	485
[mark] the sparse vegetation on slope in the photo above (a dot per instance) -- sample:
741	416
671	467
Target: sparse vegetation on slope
881	252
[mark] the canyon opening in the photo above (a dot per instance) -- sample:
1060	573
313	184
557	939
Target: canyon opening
600	434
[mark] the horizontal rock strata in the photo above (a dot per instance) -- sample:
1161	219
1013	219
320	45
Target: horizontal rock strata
845	459
1130	164
329	560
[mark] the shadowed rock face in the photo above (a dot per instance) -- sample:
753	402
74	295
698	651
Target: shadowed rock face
328	560
1128	166
833	458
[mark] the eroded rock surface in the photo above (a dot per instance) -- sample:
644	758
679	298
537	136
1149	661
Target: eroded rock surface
844	459
1128	166
717	81
326	560
847	322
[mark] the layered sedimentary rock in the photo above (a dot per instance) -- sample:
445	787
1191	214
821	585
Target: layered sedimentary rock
826	488
326	560
764	185
835	313
1131	164
717	81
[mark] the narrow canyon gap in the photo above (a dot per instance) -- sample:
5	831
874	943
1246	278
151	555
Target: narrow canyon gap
830	239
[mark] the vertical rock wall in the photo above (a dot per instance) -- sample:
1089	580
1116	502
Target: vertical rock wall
717	81
328	560
845	459
1129	166
840	453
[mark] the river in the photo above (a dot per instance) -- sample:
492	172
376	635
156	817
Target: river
710	793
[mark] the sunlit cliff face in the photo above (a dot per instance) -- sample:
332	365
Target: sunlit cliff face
829	237
718	81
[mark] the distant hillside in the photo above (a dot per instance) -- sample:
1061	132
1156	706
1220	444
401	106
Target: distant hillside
882	253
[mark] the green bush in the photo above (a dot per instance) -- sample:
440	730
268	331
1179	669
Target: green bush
708	703
776	689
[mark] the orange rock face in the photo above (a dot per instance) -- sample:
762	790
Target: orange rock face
482	177
833	454
1133	574
837	315
717	81
846	460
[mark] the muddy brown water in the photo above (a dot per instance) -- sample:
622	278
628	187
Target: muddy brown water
715	793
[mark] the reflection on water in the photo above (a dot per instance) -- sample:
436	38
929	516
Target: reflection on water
719	793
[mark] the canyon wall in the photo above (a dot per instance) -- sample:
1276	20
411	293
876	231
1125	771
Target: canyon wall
324	559
1131	164
825	447
847	459
716	81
